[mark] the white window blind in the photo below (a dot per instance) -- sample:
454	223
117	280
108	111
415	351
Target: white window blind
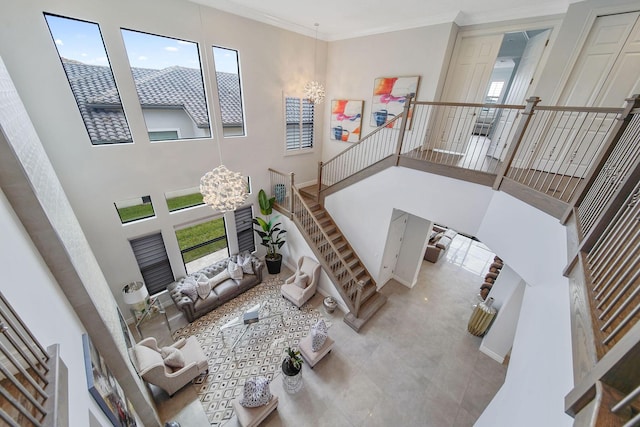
299	115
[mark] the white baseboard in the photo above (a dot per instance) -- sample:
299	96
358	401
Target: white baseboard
491	354
402	281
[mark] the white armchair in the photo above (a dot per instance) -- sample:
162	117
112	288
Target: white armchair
300	287
151	366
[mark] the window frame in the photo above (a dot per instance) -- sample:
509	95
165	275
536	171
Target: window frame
225	236
205	94
300	149
240	88
97	142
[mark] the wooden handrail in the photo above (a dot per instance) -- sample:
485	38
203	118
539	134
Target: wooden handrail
326	237
363	139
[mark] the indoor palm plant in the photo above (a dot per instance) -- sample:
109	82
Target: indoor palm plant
270	232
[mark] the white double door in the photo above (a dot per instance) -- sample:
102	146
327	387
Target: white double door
607	72
471	67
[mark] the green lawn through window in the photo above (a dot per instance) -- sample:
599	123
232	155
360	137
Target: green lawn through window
136	212
201	233
186	201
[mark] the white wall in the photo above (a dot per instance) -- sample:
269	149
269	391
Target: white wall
354	64
442	200
507	293
297	247
31	290
533	244
273	62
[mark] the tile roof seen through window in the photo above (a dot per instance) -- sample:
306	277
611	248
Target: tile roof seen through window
172	87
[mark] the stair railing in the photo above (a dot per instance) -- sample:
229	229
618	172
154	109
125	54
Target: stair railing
280	188
374	147
33	383
352	289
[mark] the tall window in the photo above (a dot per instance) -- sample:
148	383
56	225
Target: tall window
229	91
203	244
182	199
135	209
85	62
244	229
168	79
153	262
299	115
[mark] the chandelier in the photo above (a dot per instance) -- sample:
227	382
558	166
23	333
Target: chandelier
313	90
223	189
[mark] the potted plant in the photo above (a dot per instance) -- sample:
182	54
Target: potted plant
291	368
292	362
270	232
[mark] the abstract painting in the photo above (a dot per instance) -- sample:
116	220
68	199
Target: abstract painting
346	120
389	96
105	389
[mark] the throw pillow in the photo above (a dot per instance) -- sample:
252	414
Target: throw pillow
190	288
246	264
319	333
219	278
301	280
256	392
203	288
172	357
235	271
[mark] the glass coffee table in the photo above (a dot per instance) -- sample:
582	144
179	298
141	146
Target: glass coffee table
239	326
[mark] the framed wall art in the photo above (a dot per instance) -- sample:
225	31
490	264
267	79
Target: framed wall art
389	97
346	120
104	388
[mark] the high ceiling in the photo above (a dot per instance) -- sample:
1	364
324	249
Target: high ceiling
342	19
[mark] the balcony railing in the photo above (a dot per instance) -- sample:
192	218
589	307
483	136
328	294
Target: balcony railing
32	379
578	163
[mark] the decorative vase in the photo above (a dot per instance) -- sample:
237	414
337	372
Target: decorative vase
274	265
291	378
330	304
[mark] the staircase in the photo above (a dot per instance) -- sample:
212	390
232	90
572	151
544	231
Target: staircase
347	272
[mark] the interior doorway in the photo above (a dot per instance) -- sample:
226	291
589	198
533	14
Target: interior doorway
489	69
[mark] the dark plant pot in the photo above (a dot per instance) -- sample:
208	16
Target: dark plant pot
274	264
288	369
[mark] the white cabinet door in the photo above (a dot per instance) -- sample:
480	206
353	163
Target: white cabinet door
469	74
607	72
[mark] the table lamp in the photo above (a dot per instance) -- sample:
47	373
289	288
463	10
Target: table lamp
135	295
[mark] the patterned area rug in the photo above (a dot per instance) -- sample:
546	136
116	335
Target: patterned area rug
259	352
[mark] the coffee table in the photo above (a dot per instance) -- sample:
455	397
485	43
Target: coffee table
258	313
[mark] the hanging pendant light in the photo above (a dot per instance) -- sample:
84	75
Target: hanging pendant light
223	189
313	90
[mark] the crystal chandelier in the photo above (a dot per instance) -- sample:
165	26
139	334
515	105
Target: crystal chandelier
313	90
223	189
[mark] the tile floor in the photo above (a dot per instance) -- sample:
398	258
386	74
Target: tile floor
413	364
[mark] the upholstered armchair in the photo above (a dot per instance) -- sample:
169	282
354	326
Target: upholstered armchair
300	287
167	368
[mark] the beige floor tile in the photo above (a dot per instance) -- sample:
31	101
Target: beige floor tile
413	364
